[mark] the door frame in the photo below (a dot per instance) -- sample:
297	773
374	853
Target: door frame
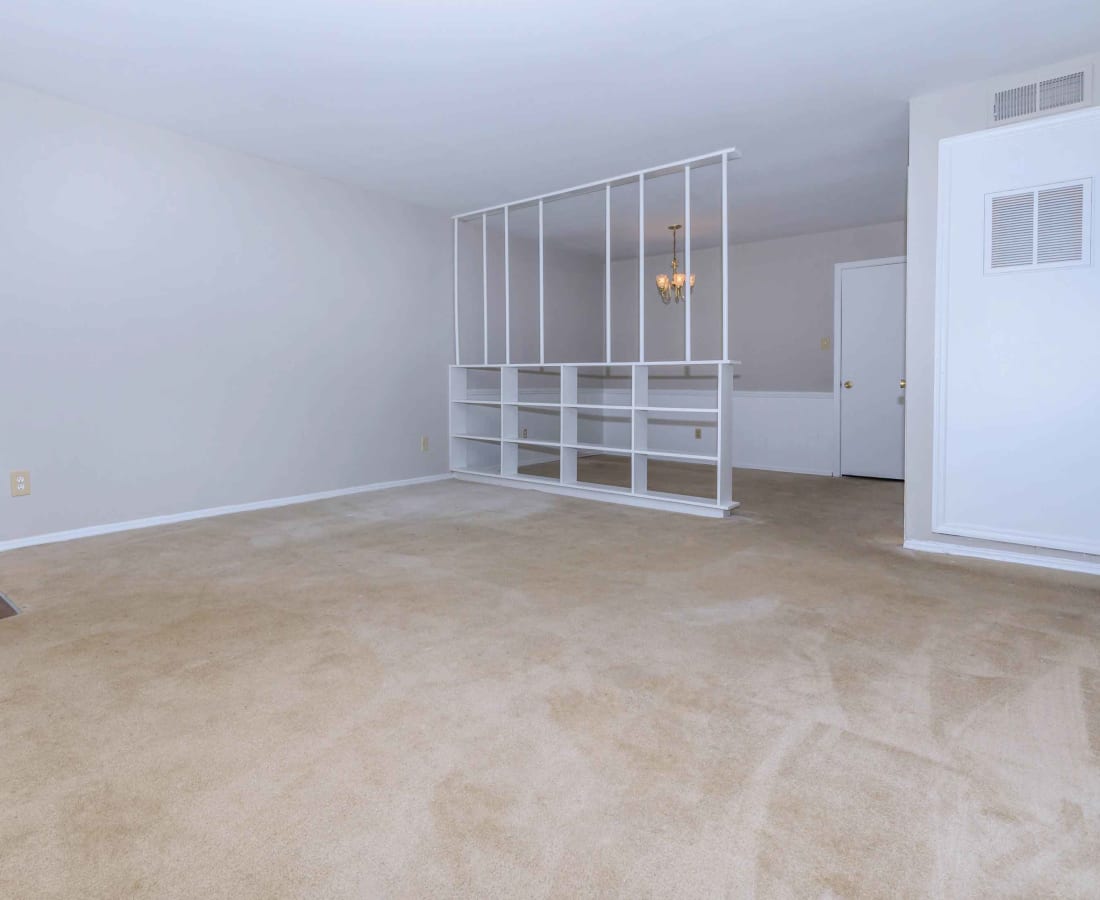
838	273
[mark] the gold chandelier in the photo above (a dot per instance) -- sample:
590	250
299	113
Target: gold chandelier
672	288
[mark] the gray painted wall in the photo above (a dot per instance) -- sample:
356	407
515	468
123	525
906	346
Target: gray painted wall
932	117
187	327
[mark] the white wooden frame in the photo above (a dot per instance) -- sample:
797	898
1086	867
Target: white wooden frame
509	402
838	274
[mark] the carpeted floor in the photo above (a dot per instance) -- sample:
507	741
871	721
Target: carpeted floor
465	691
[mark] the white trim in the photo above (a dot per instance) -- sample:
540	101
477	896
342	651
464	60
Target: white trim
1046	541
542	291
725	259
606	495
665	169
173	518
507	293
939	335
687	262
641	268
838	273
607	273
485	289
1006	556
458	361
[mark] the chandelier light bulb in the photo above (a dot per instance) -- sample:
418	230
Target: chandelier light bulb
672	288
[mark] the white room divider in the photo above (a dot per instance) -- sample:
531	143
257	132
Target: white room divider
530	423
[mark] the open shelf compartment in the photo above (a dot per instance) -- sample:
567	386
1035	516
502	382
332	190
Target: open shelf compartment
624	429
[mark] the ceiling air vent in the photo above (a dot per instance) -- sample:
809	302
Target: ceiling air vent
1038	228
1048	93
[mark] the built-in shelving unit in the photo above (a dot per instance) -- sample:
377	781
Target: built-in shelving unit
531	425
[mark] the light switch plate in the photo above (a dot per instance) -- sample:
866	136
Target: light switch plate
20	483
826	343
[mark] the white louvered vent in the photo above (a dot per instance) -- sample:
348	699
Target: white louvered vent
1066	90
1012	103
1061	224
1048	93
1039	227
1012	230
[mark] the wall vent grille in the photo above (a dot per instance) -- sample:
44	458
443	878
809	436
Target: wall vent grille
1066	90
1012	233
1040	227
1012	103
1061	224
1051	93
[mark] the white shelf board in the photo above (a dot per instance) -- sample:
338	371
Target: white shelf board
627	408
486	471
686	498
528	442
678	409
668	454
478	402
477	437
648	500
532	403
599	488
620	451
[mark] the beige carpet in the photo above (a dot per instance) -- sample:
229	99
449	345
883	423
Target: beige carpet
465	691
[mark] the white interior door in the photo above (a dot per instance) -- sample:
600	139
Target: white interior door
872	368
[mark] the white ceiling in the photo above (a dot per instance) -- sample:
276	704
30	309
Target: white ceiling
459	105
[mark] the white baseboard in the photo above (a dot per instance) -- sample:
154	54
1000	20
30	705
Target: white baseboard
1008	556
153	521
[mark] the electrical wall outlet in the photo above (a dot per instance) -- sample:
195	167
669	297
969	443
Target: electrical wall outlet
20	484
424	444
524	433
698	433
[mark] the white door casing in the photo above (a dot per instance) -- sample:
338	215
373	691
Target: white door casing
869	354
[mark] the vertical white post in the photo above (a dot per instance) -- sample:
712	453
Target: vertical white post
687	262
507	296
641	268
485	288
725	434
725	259
457	360
639	427
607	274
542	304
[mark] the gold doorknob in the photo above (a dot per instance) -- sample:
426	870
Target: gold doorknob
901	384
847	384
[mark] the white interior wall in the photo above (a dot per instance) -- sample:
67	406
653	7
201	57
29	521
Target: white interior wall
781	305
932	117
188	327
573	299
